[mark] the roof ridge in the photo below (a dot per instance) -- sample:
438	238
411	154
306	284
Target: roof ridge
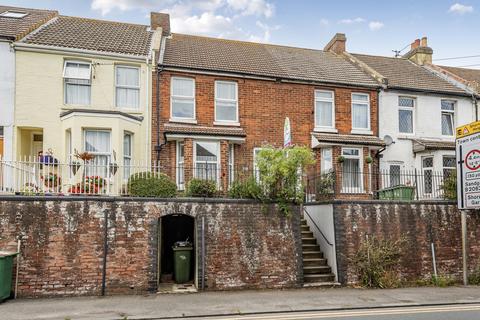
23	8
378	56
249	42
103	20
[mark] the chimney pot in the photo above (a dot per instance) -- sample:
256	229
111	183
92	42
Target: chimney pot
337	44
423	43
162	20
415	44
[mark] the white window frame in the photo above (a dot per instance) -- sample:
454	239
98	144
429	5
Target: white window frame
65	81
127	87
452	115
217	143
180	165
13	14
255	167
369	125
323	151
424	169
412	109
231	164
332	100
226	122
360	171
108	154
127	169
180	119
453	168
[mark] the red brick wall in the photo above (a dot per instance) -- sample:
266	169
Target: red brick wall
63	244
263	106
421	223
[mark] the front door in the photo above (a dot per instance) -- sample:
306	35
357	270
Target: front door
37	145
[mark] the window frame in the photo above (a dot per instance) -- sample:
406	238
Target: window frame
322	160
318	127
412	109
117	86
451	114
218	162
369	110
127	169
109	155
226	122
65	82
180	165
13	14
424	169
180	119
231	164
452	168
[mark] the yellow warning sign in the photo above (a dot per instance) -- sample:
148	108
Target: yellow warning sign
468	129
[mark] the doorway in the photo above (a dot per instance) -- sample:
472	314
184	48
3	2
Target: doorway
174	228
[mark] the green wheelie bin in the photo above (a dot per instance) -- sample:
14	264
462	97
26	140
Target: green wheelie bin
182	255
6	269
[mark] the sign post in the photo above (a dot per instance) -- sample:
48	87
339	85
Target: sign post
468	178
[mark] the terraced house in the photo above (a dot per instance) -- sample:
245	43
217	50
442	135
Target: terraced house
15	24
220	101
84	85
419	110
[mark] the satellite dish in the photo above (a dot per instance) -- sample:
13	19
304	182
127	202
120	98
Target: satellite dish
388	140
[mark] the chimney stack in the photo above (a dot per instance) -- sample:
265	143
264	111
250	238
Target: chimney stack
420	52
338	44
160	20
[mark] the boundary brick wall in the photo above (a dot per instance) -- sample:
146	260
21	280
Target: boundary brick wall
248	244
421	222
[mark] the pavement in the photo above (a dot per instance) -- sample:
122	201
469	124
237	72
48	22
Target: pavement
231	303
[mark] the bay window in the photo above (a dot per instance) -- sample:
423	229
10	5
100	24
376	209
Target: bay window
77	83
326	162
127	87
226	101
180	165
427	170
449	166
127	154
231	164
405	114
206	160
182	99
324	109
360	111
448	116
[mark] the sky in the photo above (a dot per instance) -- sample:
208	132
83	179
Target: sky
371	26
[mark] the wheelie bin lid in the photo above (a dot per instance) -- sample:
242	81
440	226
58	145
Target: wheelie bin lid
182	245
5	254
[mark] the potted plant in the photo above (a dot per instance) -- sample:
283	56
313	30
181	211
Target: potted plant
340	159
368	159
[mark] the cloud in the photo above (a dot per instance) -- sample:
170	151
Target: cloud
206	23
460	8
375	25
106	6
351	21
324	22
252	7
267	32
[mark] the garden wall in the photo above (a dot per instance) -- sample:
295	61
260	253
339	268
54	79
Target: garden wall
247	244
420	222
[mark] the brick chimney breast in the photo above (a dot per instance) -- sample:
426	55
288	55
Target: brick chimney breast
162	20
338	44
420	52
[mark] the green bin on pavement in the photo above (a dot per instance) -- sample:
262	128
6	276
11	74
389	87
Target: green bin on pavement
181	262
6	269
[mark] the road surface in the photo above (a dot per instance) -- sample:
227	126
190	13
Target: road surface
452	312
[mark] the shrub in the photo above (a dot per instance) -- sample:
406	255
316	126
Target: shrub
326	183
474	277
376	260
449	186
201	188
147	184
246	189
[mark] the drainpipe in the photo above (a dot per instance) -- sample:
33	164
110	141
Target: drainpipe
159	145
475	103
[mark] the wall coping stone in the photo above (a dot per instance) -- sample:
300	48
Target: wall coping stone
376	202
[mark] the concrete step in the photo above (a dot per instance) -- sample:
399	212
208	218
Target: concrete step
313	254
308	278
312	262
308	234
317	270
326	284
309	240
310	247
305	227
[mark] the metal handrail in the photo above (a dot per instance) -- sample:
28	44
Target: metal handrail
318	228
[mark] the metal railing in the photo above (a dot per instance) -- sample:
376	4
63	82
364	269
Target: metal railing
383	185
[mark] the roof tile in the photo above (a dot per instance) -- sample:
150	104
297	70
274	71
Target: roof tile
17	28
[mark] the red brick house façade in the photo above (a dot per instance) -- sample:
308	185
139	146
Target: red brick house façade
216	102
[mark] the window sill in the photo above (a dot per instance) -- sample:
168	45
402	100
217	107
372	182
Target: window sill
225	123
190	121
320	129
360	131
